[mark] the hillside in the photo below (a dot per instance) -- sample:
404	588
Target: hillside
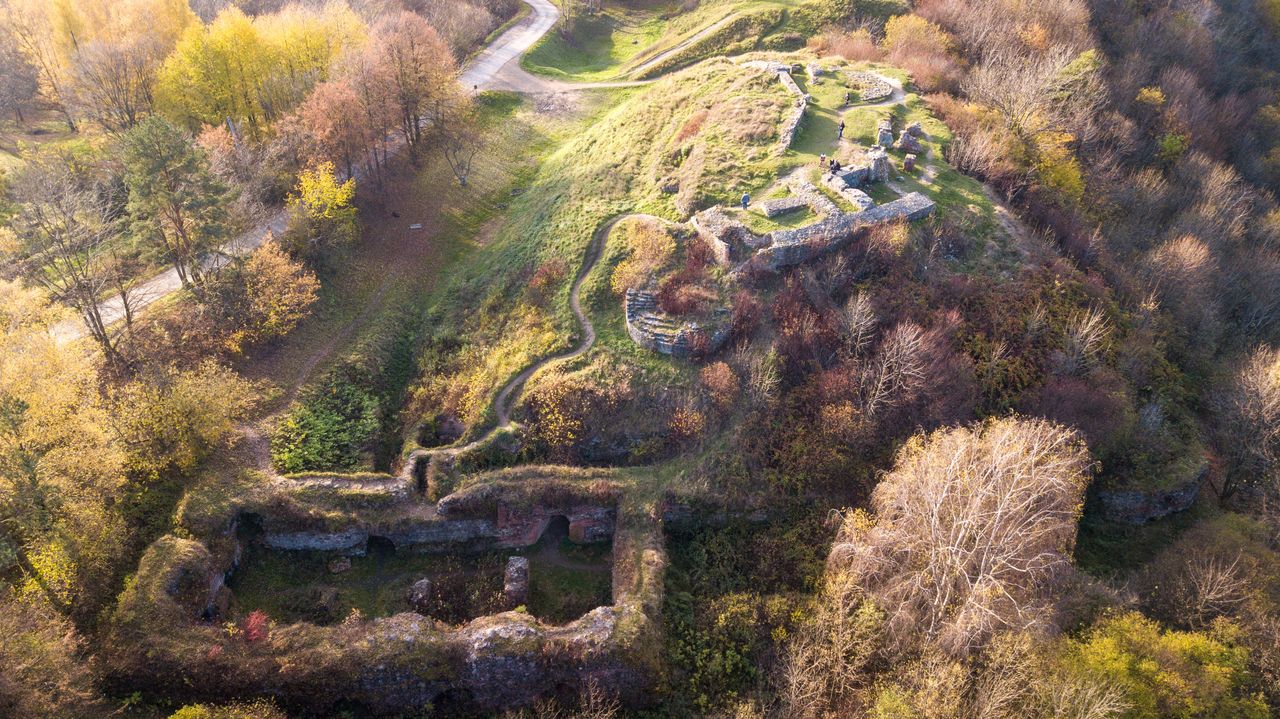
751	358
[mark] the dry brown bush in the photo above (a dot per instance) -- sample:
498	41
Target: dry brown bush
854	46
721	383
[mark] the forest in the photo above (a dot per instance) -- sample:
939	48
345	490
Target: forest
577	358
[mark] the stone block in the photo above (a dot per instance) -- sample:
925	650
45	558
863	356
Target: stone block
780	206
908	143
859	199
515	583
420	595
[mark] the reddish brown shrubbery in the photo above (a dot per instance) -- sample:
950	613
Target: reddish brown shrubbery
680	294
546	279
746	313
721	384
691	126
256	626
805	339
854	46
697	255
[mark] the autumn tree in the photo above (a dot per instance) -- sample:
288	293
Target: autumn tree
421	72
265	297
253	70
61	473
972	530
337	134
114	52
114	81
32	27
171	419
1045	102
174	199
19	78
373	113
323	219
67	230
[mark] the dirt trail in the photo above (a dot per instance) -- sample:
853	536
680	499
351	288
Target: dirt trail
682	45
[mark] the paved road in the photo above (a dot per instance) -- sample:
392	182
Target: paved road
513	43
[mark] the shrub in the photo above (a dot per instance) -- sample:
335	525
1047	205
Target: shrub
1170	674
854	46
327	429
261	709
546	279
649	247
721	384
924	49
256	627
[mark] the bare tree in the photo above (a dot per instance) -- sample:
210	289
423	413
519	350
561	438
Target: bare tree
1248	413
896	372
974	527
114	79
460	142
421	72
859	322
1086	334
29	23
67	230
1034	95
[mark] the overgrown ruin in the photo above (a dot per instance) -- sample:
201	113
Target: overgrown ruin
170	628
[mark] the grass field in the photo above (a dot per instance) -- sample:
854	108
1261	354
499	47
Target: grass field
600	45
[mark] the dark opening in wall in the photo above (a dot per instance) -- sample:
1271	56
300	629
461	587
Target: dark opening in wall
380	547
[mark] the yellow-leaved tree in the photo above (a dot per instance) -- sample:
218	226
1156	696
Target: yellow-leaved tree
323	217
253	71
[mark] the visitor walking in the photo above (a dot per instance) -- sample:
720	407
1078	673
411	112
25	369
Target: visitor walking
746	200
840	134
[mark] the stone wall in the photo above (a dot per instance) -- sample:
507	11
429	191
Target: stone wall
792	247
1139	507
798	106
655	330
161	641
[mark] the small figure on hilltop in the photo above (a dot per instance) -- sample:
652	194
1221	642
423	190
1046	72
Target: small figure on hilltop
746	199
840	132
822	160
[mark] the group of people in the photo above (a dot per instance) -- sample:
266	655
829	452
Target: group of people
832	166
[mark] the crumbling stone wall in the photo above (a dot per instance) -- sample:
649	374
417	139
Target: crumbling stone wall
791	125
655	330
407	662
